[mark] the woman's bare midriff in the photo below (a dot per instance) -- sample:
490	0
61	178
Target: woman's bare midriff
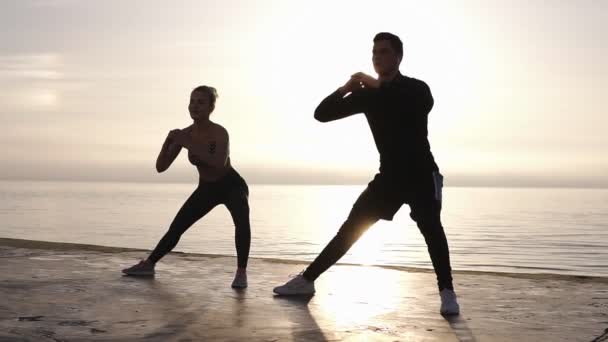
210	174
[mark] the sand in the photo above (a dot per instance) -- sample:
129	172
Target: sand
69	292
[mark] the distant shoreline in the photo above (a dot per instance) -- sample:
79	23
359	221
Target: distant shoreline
65	246
361	183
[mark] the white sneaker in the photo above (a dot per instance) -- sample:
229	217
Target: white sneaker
296	286
240	280
143	268
449	305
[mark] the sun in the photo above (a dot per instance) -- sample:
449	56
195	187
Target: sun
44	98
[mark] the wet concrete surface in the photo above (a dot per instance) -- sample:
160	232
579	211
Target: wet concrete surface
64	292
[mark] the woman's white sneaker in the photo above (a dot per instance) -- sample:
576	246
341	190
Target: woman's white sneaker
449	305
296	286
143	268
240	280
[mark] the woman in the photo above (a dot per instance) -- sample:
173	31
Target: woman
208	150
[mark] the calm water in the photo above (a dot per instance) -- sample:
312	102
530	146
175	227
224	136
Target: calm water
561	231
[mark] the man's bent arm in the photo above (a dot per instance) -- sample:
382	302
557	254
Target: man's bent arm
336	106
416	98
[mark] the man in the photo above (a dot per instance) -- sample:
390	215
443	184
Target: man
396	108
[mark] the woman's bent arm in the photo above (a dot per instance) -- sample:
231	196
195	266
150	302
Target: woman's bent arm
167	154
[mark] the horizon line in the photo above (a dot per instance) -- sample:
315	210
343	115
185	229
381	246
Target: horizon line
302	183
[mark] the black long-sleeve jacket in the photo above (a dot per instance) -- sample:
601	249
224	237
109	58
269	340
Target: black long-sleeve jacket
397	114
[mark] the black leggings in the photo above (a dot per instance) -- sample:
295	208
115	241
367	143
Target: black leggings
232	191
380	201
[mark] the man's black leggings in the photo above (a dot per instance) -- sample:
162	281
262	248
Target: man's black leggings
232	191
381	200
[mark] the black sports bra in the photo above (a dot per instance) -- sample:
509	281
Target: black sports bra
194	159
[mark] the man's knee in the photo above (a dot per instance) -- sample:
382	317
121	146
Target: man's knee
243	228
428	215
429	224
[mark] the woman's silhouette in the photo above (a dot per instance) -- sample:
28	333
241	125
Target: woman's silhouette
208	149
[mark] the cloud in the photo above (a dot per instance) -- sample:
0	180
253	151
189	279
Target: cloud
51	3
31	67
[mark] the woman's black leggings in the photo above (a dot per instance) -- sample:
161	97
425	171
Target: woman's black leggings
232	191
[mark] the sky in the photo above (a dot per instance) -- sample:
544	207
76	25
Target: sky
89	89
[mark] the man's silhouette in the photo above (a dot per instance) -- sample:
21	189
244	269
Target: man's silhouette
396	108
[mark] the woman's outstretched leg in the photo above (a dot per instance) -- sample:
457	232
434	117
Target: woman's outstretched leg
196	206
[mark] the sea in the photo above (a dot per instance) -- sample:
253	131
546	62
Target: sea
507	230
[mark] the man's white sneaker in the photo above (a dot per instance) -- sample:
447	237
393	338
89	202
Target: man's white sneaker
240	280
449	305
296	286
143	268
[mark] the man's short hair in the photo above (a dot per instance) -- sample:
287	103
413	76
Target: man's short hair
395	42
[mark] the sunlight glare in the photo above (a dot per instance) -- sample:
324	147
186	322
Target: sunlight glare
365	293
368	250
44	98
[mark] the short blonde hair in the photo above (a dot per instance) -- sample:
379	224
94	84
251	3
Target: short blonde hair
210	91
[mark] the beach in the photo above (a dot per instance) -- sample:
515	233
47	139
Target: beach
75	292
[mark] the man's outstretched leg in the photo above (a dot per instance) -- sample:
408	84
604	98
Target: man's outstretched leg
349	233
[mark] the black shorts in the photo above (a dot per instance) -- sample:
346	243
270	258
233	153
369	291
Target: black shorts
384	196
